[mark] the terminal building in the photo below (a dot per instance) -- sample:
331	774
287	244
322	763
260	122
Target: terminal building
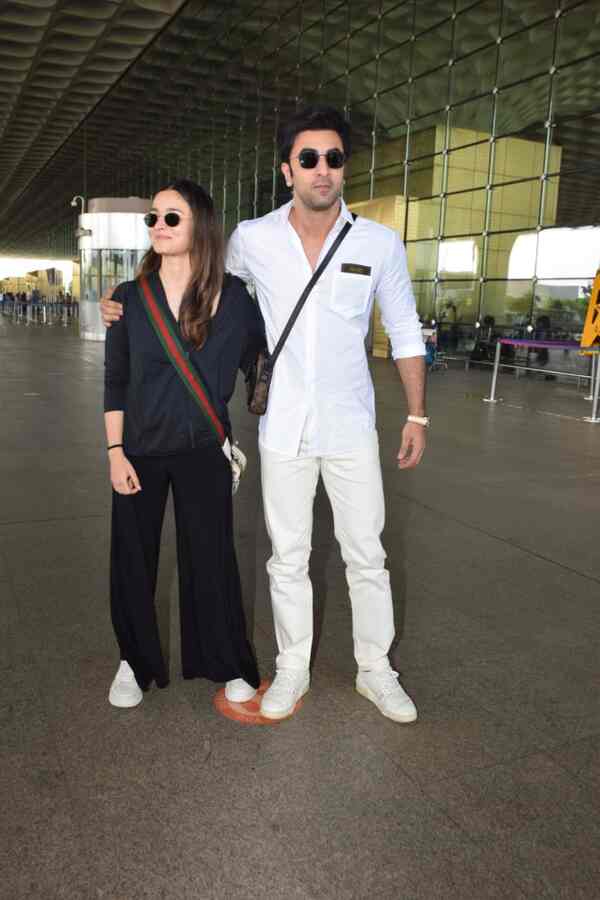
477	138
475	129
46	281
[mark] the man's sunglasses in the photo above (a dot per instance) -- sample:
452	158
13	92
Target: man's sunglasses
171	219
309	158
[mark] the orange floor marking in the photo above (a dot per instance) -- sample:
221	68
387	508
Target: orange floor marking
248	713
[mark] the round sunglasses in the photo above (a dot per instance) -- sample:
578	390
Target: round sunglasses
309	158
171	219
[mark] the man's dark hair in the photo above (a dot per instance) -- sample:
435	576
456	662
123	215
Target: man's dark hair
313	118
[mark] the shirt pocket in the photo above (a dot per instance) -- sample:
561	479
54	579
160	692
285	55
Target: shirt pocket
350	293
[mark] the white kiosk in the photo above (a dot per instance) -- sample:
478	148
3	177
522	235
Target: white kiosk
112	240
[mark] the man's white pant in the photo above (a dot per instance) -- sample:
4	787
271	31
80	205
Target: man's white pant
354	487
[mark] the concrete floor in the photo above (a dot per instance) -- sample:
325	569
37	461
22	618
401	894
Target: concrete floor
493	547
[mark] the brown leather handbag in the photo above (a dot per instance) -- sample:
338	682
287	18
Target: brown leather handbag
260	371
258	382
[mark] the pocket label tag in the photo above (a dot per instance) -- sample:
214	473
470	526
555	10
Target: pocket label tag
356	269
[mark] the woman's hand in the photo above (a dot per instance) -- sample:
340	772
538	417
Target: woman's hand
122	474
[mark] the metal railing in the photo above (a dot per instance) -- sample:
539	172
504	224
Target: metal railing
50	311
593	377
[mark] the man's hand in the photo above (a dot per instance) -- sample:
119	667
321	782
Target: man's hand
412	446
110	310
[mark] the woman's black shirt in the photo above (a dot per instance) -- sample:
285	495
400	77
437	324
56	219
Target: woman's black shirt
161	416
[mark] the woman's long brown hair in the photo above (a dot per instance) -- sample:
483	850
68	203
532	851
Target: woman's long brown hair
207	258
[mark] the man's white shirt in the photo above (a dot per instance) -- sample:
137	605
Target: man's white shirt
321	400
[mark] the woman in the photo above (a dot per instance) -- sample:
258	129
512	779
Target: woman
159	438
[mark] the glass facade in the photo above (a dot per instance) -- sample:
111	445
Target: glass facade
468	116
477	129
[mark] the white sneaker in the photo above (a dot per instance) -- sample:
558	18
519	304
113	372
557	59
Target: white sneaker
239	691
125	691
287	688
385	691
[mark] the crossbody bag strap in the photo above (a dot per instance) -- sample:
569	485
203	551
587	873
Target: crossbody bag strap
305	293
172	346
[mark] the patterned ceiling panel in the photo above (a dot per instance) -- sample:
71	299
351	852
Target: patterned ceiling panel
57	60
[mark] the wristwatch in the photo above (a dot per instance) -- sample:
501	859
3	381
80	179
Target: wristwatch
425	421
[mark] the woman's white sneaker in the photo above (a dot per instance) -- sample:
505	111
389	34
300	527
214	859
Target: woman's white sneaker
125	691
385	691
289	685
239	691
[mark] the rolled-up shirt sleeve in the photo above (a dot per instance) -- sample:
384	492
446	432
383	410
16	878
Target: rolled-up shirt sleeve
397	304
116	362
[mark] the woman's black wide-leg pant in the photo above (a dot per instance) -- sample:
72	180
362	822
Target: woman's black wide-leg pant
214	643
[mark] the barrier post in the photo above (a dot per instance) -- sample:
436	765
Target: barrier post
590	396
492	398
596	397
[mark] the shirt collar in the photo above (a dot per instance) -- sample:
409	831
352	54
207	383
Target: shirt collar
345	212
344	216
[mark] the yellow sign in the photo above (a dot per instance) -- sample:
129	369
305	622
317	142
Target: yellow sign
591	329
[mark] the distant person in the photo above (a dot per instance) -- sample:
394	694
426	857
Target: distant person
543	332
485	346
487	328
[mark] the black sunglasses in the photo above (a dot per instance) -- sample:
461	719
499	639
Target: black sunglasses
309	158
172	219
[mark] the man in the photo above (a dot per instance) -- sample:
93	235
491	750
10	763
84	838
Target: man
321	414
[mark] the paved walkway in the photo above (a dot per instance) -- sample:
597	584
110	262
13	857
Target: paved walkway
493	547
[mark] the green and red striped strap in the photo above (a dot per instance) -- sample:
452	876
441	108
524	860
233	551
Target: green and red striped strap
172	346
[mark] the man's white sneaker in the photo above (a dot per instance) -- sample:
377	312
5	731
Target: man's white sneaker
239	691
385	691
125	691
287	688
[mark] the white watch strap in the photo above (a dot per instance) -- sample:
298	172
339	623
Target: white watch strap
419	420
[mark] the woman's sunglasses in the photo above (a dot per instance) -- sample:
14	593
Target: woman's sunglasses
309	158
171	219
